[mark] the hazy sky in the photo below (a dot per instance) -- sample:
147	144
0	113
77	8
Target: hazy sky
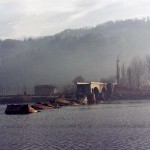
24	18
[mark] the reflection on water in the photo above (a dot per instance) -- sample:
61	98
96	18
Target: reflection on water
118	125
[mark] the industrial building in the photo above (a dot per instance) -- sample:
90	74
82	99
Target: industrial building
45	90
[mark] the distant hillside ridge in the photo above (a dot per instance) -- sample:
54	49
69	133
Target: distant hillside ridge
90	52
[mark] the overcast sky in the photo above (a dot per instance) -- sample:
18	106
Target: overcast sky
24	18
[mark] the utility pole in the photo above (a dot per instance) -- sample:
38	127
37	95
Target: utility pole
118	71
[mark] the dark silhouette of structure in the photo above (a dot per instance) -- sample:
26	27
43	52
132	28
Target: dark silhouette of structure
118	71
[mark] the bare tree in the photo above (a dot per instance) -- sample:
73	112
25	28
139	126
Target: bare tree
123	76
137	68
129	78
110	79
147	67
78	79
68	88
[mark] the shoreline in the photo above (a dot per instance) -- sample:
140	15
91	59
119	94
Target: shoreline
37	99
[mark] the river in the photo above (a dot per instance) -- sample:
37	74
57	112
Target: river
119	125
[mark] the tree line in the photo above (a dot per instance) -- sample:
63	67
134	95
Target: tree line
135	76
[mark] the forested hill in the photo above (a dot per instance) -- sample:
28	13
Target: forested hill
90	52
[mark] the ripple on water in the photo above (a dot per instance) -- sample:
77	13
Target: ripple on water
120	126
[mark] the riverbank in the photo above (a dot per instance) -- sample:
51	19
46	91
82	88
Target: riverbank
121	94
15	99
128	94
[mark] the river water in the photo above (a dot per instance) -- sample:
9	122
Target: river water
120	125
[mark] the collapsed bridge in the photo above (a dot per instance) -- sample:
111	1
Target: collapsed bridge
95	90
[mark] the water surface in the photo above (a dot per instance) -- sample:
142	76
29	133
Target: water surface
120	125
